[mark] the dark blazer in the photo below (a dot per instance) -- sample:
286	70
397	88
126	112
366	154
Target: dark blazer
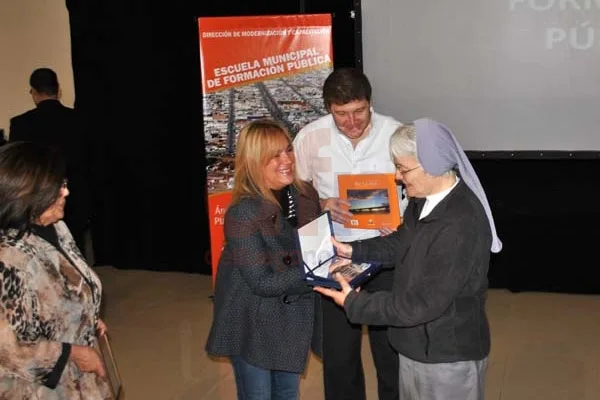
53	124
264	310
436	310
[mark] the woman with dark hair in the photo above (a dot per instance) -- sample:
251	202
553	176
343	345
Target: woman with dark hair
264	309
49	296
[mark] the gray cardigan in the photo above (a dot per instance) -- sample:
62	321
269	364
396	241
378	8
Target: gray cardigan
264	311
436	308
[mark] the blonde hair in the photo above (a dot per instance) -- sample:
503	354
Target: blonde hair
259	141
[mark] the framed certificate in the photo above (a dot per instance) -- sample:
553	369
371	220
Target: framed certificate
110	365
318	254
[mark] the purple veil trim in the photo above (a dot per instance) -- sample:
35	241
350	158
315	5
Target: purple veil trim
438	151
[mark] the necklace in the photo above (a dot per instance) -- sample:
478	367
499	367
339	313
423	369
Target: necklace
290	213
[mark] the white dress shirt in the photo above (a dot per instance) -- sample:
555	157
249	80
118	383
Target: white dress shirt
323	152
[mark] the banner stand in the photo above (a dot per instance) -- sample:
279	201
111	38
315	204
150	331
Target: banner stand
252	68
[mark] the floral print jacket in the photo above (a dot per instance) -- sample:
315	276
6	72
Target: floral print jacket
49	298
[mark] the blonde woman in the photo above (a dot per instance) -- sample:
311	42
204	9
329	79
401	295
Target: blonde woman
264	310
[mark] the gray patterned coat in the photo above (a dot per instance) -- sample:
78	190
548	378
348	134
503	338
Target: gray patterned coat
45	301
264	310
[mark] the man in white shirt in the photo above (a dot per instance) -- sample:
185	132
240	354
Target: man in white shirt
351	139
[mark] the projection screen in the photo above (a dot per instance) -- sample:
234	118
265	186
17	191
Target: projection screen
502	74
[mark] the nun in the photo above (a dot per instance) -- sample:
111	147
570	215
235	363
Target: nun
436	311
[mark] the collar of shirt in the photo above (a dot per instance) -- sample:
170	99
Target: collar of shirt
434	199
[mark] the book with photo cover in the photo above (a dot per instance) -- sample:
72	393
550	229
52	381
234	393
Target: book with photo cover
373	198
318	254
110	366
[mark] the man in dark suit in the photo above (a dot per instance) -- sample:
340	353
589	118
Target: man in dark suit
53	124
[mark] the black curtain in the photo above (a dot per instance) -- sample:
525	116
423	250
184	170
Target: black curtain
137	82
545	210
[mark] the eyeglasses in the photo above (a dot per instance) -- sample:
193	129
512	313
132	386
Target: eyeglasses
406	171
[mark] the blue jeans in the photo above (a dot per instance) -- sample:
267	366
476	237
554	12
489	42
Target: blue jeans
254	383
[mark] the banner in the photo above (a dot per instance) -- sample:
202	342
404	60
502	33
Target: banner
253	68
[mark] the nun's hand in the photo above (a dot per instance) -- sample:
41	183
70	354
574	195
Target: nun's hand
386	231
339	296
342	249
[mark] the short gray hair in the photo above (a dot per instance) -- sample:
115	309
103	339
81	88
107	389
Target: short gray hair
403	142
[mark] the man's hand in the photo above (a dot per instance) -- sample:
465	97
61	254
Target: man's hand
339	296
338	209
87	359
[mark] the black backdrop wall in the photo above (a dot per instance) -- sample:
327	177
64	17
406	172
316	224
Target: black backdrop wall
137	81
136	71
546	211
